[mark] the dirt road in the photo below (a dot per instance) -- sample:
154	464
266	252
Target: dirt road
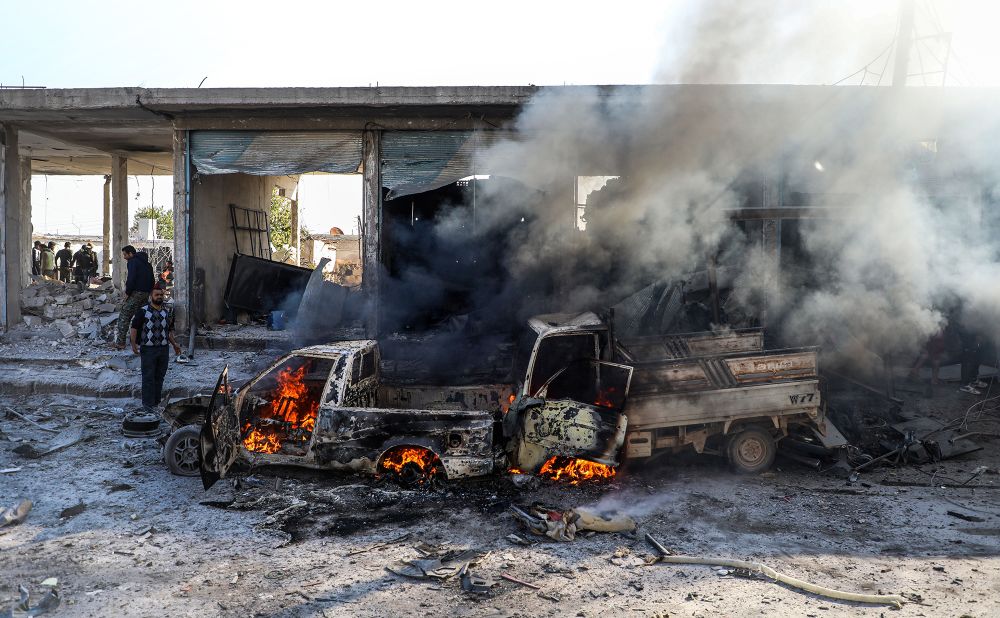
289	544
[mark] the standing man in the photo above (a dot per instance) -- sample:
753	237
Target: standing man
93	262
48	260
36	258
82	265
152	330
64	260
138	285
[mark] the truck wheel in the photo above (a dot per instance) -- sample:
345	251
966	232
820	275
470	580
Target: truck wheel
181	451
751	451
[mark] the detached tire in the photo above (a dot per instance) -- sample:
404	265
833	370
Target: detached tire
181	451
751	451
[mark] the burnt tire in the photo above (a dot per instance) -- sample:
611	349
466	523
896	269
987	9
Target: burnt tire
751	451
181	452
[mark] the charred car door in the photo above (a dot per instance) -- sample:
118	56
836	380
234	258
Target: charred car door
576	413
220	433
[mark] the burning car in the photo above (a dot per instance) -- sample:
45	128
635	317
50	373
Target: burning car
326	407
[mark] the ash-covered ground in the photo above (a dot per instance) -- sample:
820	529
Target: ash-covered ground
296	543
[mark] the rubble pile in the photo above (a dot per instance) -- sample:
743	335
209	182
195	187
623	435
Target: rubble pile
71	308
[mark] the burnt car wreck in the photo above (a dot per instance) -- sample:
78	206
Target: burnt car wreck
573	415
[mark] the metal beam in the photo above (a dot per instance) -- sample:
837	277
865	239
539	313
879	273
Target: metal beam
371	227
119	217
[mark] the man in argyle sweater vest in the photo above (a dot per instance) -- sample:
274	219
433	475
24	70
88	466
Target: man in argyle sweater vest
152	330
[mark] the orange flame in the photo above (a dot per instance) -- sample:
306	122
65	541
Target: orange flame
292	410
575	471
505	406
417	459
603	398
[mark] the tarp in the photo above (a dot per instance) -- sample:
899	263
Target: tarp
276	153
418	161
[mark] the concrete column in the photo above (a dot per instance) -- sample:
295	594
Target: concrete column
181	293
119	217
10	228
106	230
25	218
296	232
371	218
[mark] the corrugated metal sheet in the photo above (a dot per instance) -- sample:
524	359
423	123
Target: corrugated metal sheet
417	161
275	153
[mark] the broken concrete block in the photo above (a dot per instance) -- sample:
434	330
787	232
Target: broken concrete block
102	298
63	299
32	320
105	308
54	312
34	302
65	328
29	292
107	285
86	303
108	319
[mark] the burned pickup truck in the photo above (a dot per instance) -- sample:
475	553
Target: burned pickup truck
326	407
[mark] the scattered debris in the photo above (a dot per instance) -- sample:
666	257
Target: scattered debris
757	567
64	439
11	470
73	511
49	602
398	539
73	310
511	578
444	567
16	514
563	526
475	584
964	517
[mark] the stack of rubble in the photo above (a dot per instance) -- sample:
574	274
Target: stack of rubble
73	309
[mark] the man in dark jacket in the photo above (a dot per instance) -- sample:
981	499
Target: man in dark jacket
83	264
64	262
138	285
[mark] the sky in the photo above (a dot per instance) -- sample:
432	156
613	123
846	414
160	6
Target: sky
222	43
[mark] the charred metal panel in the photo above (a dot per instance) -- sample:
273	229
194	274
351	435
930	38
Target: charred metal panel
686	345
772	367
260	286
490	397
355	438
568	428
674	409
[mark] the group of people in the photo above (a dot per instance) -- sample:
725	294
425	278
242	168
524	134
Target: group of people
64	265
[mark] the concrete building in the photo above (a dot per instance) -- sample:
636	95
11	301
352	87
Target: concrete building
233	146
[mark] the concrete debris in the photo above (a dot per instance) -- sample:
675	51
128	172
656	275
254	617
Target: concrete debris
49	602
65	439
16	514
74	310
564	525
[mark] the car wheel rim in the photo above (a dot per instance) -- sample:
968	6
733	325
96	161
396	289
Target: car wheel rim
186	455
751	451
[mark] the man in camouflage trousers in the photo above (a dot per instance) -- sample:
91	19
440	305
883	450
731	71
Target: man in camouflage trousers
138	285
